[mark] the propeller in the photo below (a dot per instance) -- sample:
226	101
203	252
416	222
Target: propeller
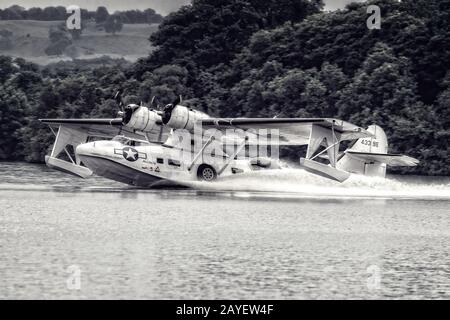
125	112
128	112
118	98
168	109
154	103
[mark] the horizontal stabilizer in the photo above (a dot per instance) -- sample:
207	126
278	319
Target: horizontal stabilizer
394	160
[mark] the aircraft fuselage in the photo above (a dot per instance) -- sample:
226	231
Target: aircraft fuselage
153	164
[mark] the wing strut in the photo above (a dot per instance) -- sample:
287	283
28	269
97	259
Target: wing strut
330	139
65	147
324	136
205	145
239	149
65	137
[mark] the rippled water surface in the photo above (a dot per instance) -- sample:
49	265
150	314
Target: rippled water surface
281	235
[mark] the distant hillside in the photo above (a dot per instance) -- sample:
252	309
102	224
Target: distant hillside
30	39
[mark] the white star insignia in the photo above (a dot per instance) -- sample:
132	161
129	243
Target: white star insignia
130	154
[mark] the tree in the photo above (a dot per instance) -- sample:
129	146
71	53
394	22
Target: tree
35	138
61	13
113	24
166	83
152	17
17	8
384	92
35	14
210	32
12	111
101	15
50	14
12	14
6	42
6	68
59	40
25	80
383	87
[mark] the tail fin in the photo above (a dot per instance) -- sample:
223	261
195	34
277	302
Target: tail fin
369	156
363	147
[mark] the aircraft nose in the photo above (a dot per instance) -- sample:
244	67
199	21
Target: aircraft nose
85	148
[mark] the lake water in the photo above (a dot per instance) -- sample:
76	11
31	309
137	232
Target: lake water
280	235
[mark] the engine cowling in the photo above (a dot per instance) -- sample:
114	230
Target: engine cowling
180	117
142	119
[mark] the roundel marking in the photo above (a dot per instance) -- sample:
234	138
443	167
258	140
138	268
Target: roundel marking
130	154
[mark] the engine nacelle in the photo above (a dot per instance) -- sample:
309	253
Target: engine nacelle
142	119
180	117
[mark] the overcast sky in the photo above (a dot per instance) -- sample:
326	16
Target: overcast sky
162	6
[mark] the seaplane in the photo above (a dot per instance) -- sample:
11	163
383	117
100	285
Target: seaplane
149	147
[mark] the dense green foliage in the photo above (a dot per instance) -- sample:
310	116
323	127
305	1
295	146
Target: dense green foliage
59	13
263	58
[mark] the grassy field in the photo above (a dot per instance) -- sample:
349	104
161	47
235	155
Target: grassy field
30	39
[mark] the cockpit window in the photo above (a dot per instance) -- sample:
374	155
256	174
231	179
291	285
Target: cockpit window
121	139
130	142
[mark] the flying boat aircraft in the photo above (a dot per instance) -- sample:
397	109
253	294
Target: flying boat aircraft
147	147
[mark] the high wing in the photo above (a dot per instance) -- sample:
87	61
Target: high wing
101	128
314	132
390	159
292	131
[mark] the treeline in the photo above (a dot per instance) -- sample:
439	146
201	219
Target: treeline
282	58
59	13
67	89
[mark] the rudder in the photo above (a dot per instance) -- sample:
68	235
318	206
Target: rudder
376	145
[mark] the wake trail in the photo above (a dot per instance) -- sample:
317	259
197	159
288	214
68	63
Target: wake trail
289	182
303	183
